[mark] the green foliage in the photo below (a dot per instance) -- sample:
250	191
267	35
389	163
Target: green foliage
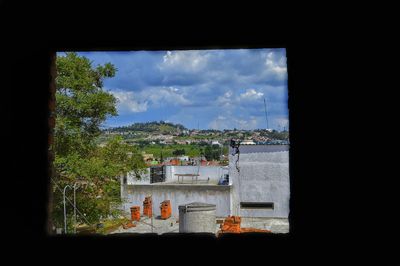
212	152
179	152
276	135
192	150
81	107
161	127
81	104
97	176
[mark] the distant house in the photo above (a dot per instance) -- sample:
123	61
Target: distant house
184	158
216	142
147	156
247	142
175	162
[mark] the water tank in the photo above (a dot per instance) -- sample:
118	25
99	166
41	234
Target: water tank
197	217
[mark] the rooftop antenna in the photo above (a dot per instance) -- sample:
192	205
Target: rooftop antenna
266	113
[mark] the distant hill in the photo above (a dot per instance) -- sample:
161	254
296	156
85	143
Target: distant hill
153	127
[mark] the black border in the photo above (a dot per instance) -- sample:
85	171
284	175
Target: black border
328	222
33	186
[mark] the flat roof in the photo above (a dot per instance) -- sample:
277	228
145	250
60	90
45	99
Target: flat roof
261	148
181	185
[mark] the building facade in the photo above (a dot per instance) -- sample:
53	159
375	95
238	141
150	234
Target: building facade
258	184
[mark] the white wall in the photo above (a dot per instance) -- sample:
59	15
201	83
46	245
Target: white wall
213	172
263	177
178	195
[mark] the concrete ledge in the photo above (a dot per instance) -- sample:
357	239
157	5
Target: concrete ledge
185	186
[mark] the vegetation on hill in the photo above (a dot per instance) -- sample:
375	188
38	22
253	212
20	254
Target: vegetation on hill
164	151
161	127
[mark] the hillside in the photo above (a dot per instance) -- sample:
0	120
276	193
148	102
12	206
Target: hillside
151	127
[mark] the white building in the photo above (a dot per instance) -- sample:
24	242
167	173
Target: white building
184	158
216	142
258	184
247	142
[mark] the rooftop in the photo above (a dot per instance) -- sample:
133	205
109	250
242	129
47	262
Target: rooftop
188	183
171	225
260	148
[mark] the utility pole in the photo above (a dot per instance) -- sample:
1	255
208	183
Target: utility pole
65	210
75	187
266	113
65	207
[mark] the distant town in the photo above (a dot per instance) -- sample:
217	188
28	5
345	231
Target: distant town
164	143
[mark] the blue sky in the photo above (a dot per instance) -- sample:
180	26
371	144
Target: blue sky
215	89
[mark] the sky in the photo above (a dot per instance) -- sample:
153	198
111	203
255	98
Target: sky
206	89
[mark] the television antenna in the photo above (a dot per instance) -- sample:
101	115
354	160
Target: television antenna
266	113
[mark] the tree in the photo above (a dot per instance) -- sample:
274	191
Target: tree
178	152
212	152
81	103
81	107
96	174
208	153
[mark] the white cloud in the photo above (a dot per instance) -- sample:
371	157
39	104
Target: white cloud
135	102
228	99
225	100
228	94
219	123
129	102
251	94
276	65
250	123
184	61
223	122
281	122
166	95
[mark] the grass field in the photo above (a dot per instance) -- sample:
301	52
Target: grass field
167	150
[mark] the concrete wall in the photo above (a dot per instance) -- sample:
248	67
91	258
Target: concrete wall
263	177
213	172
178	195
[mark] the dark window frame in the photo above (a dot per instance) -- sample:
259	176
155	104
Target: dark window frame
257	205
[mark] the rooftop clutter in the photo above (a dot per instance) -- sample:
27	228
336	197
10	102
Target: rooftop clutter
232	225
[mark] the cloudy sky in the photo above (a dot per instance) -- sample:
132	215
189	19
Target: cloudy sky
212	89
